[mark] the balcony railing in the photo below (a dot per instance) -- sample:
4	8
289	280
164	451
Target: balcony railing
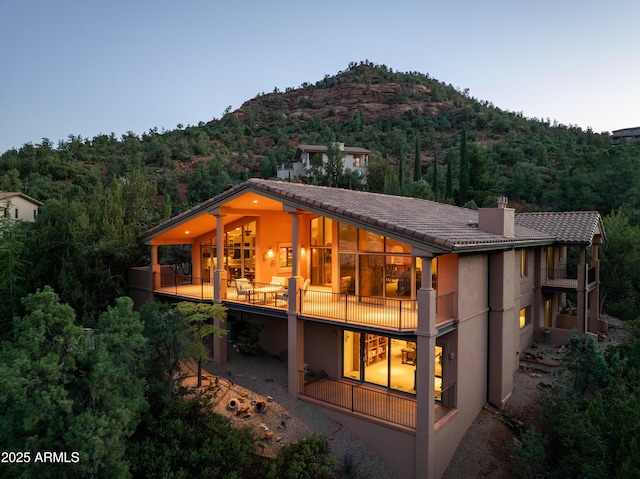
387	313
361	399
445	307
566	276
183	285
368	311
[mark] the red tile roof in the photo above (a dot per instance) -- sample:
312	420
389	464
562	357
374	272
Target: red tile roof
435	226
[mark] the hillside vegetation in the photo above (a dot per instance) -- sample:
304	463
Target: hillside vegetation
70	338
428	140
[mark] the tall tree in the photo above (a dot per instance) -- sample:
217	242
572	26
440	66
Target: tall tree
401	171
417	174
448	192
13	268
68	388
463	193
200	319
334	167
435	184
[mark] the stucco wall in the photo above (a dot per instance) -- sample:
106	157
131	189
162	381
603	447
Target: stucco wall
322	348
25	208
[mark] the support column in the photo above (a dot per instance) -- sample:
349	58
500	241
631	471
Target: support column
581	318
594	294
425	374
504	337
154	269
295	327
219	290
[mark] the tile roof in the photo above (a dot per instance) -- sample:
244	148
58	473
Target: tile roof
4	195
575	227
441	226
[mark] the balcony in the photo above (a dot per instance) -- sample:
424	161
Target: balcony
364	311
380	404
368	311
565	278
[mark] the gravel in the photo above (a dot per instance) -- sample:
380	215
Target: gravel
267	376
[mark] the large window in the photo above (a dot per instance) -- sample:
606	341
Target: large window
239	253
380	360
525	317
373	265
321	240
523	263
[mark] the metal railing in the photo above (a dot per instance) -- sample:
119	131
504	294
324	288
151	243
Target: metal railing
562	272
183	285
388	313
371	402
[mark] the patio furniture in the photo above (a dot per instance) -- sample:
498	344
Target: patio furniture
243	288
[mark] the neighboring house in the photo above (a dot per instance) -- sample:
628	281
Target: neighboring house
355	159
400	317
626	134
19	206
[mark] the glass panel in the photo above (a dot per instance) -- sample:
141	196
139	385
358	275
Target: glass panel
328	231
371	275
347	237
371	242
351	355
547	313
316	232
376	369
393	246
347	273
321	266
207	262
438	381
403	365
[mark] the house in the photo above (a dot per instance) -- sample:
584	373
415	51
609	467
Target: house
18	206
355	159
400	317
626	134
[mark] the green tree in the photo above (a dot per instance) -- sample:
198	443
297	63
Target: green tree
200	319
417	174
448	192
463	193
620	266
334	167
13	268
435	186
68	388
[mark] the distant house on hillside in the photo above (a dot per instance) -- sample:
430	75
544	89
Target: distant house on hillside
355	159
19	206
626	134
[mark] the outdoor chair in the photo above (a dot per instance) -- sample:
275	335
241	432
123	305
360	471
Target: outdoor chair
243	288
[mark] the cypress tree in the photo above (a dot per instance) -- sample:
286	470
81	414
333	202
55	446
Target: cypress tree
464	170
401	171
449	188
416	163
434	185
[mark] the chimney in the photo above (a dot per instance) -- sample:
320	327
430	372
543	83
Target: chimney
499	221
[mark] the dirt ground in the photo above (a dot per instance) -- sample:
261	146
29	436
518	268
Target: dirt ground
484	452
271	424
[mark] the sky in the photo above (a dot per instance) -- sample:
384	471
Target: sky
91	67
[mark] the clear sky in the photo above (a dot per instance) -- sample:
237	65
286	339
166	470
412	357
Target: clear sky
86	67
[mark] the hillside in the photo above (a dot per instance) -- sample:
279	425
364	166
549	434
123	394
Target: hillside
394	114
